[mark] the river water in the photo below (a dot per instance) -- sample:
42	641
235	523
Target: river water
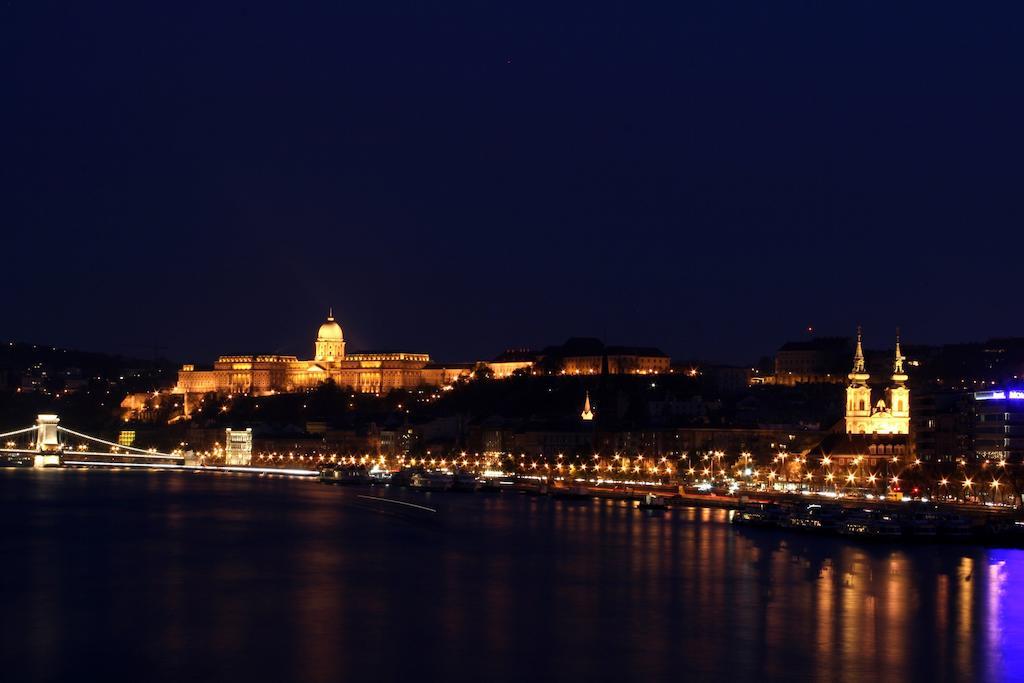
177	576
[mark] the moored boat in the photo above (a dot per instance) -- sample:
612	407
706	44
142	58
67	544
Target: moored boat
491	485
571	492
1005	529
870	524
344	475
431	481
653	502
814	517
920	524
758	514
954	525
465	482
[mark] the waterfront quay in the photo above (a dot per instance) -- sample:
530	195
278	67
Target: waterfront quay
655	485
826	512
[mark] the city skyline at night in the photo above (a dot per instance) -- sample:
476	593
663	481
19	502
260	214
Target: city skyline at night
531	341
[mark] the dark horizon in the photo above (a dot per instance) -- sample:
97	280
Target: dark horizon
140	351
463	179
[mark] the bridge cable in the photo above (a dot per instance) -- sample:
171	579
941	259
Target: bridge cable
111	443
19	431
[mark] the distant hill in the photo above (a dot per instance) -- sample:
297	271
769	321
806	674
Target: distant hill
28	367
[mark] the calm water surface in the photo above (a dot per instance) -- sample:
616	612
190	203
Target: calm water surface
201	577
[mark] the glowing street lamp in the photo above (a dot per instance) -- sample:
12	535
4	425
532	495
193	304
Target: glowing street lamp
782	458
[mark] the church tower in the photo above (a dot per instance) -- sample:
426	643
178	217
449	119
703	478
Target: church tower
588	413
898	394
330	342
858	394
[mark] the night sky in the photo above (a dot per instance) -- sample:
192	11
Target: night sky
707	177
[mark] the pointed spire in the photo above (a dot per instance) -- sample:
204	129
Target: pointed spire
858	356
330	312
897	366
587	413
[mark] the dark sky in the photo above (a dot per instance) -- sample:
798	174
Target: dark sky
708	177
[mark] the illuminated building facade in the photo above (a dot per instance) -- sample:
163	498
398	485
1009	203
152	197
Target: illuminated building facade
238	447
890	415
369	372
588	356
999	425
621	361
582	356
871	432
511	362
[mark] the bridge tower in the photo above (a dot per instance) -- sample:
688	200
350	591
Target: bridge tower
48	444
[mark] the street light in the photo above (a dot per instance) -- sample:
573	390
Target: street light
782	458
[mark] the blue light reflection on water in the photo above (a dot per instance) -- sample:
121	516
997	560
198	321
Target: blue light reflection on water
1005	614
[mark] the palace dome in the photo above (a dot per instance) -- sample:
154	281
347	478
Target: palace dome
330	331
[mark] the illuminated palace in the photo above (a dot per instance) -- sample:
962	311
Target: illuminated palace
872	431
370	372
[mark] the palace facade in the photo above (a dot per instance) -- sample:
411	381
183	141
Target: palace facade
368	372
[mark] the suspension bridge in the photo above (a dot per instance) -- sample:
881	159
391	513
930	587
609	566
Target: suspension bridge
48	444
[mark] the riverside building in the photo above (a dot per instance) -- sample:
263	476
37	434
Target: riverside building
999	425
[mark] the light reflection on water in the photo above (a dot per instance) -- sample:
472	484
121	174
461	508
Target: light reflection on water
171	576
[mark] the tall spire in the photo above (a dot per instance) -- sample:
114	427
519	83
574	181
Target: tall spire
858	356
587	413
330	312
859	375
898	373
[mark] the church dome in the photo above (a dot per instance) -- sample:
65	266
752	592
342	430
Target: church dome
330	330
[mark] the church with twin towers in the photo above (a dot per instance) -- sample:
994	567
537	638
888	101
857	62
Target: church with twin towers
891	413
876	426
